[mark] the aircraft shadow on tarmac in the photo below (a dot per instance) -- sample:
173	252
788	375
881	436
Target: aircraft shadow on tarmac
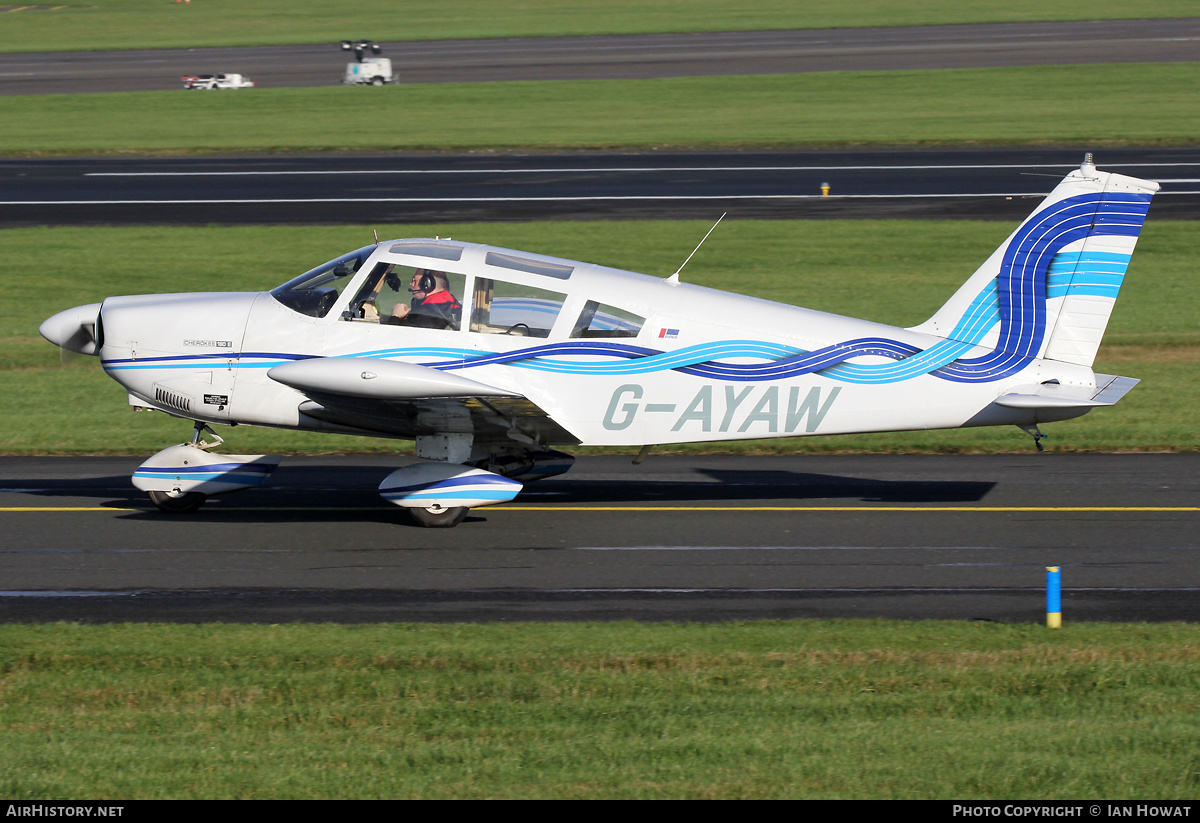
338	493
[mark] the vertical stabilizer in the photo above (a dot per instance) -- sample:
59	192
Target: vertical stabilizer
1048	291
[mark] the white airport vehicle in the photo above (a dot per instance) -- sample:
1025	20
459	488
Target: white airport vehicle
492	359
366	70
374	71
216	81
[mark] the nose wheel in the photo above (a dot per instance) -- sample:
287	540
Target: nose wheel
177	502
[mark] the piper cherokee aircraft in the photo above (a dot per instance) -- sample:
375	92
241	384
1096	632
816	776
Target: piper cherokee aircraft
489	358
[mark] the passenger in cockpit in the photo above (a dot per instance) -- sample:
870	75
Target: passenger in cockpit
433	306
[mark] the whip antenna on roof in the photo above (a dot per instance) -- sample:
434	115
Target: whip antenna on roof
674	278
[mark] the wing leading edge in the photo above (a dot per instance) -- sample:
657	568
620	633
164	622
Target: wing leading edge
409	400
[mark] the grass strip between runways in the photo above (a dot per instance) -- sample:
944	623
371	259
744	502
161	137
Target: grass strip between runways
1090	106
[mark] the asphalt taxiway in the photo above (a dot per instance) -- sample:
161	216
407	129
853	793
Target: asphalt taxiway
998	184
677	538
640	56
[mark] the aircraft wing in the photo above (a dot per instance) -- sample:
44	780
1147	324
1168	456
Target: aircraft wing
407	400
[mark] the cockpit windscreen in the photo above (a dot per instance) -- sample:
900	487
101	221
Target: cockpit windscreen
315	292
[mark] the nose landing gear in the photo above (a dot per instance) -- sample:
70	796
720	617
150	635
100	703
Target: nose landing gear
179	479
177	502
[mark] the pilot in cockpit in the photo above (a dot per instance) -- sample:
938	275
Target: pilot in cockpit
433	306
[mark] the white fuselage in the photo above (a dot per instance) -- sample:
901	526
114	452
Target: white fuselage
685	363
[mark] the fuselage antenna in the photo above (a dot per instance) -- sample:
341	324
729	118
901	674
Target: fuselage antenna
674	278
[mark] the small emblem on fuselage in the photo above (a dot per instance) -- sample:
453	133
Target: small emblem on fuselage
210	344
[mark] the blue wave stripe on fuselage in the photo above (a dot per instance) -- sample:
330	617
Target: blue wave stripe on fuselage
639	360
804	363
921	363
202	361
1033	269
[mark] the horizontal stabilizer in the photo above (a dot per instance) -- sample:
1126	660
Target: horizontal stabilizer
377	379
1109	389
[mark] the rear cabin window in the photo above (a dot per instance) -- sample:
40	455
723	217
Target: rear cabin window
599	320
500	307
416	298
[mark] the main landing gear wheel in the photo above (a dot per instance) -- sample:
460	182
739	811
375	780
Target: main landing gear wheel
178	503
440	517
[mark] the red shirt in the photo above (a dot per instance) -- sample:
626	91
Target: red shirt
441	297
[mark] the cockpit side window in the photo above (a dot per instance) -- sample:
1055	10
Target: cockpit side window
395	295
599	320
315	292
500	307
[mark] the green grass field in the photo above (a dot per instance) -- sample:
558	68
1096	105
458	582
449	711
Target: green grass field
1143	104
140	24
896	272
796	709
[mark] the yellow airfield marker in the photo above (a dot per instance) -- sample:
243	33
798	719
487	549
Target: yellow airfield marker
63	509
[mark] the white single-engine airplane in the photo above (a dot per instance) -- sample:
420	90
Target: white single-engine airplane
489	357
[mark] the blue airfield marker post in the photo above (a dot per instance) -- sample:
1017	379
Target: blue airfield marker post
1053	598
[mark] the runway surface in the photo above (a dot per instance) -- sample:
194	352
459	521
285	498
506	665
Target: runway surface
373	189
678	538
624	57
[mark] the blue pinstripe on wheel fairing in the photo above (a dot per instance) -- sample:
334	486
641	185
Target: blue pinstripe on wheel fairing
248	473
1033	270
467	487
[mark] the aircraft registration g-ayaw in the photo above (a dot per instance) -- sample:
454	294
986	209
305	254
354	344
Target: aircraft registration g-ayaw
489	358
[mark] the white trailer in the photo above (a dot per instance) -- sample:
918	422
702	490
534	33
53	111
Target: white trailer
217	81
